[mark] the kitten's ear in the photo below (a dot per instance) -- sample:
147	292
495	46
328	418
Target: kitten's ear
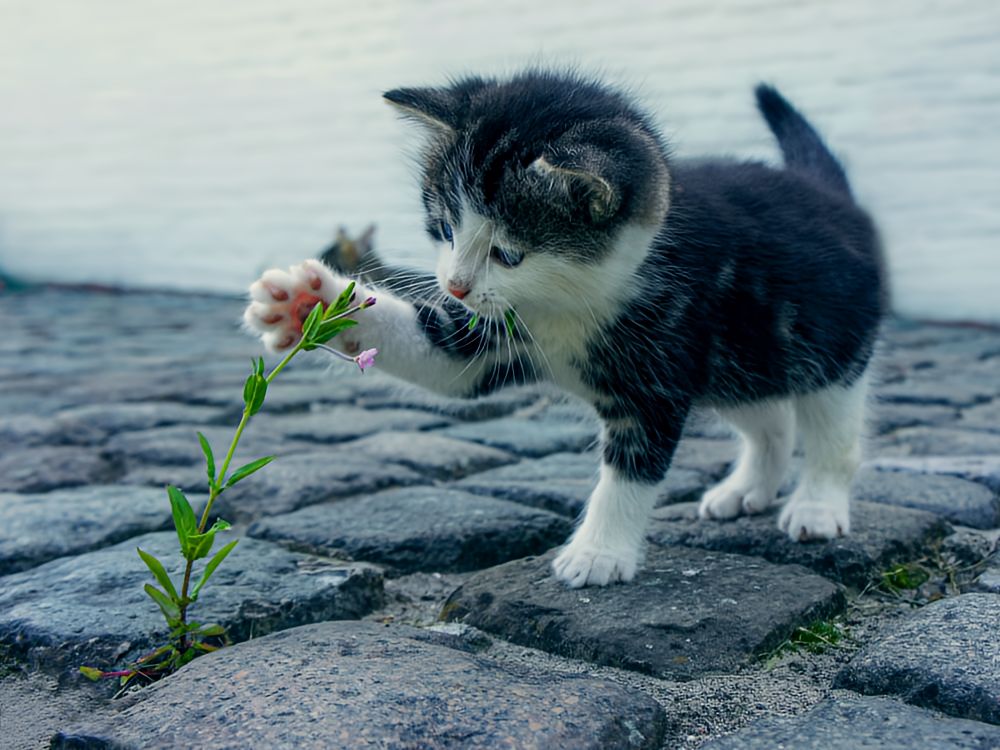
366	240
430	106
582	170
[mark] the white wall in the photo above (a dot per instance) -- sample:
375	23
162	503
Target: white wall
190	143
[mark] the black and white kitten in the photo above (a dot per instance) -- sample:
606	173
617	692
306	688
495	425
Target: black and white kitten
642	284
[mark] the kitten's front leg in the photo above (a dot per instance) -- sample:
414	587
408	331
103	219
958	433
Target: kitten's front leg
427	346
608	545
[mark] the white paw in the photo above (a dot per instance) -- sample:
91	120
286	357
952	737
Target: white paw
805	519
281	300
585	564
734	496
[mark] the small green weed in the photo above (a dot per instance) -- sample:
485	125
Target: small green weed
189	639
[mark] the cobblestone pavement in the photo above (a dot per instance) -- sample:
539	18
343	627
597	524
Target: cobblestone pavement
392	585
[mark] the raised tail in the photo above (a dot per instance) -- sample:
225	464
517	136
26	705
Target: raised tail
801	145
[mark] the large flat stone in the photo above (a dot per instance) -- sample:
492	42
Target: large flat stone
528	437
45	468
91	609
351	685
944	656
293	482
37	528
435	456
428	529
562	483
687	613
853	723
880	536
951	498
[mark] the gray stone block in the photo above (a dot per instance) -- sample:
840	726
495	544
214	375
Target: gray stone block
984	469
293	482
688	613
945	656
957	500
854	723
349	685
91	609
938	441
46	468
880	536
528	437
433	455
37	528
428	529
178	445
343	423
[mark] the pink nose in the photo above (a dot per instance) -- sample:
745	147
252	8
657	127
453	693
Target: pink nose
458	291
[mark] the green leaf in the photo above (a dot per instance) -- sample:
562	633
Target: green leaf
169	608
259	367
209	459
259	392
184	520
330	328
509	319
159	572
201	544
92	674
217	558
212	630
342	302
473	322
312	320
249	387
246	470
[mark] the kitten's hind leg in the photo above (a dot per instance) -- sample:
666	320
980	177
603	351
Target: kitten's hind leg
767	430
831	423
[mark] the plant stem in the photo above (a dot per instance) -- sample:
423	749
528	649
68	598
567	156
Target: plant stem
218	485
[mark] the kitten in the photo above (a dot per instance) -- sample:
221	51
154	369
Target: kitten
640	283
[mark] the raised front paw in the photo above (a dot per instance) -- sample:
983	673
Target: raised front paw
281	300
582	563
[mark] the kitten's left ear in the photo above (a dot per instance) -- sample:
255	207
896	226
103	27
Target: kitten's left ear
583	169
430	106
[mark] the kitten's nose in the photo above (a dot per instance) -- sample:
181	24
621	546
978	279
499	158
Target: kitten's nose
457	290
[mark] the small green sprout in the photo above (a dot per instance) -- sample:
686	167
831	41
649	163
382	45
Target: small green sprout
189	639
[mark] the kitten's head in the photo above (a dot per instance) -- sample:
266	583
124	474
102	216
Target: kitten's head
540	190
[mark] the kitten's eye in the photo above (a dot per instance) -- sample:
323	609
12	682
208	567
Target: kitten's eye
506	258
446	232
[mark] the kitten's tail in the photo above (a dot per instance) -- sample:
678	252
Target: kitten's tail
801	145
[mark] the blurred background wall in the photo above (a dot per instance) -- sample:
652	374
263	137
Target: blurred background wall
190	144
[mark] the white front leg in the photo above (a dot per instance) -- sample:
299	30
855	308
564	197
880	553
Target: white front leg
608	545
281	299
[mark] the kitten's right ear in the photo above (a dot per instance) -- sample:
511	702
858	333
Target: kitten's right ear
430	106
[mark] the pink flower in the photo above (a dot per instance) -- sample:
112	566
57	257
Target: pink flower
366	359
368	302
